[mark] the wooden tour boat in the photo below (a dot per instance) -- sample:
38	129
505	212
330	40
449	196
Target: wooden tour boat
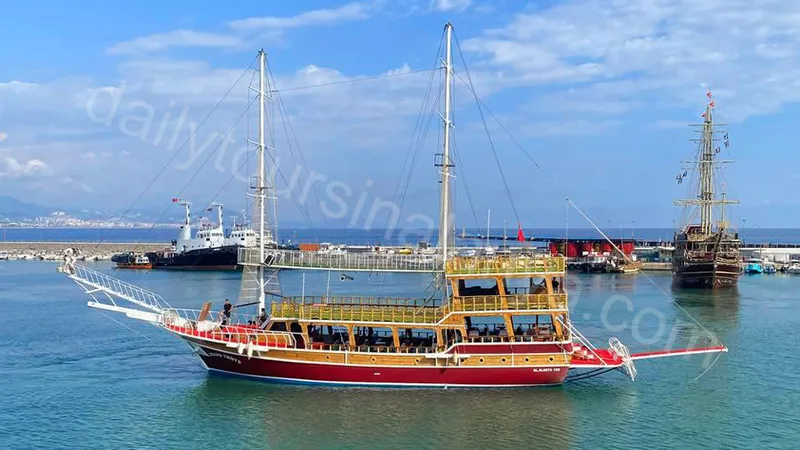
501	319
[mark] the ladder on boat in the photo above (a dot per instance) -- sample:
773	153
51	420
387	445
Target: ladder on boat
94	282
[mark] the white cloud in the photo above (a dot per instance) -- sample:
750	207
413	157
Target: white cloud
272	25
622	52
177	38
10	167
346	13
89	155
3	136
450	5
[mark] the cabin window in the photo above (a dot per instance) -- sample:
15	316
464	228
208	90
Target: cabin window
485	329
452	336
373	338
414	340
278	326
470	288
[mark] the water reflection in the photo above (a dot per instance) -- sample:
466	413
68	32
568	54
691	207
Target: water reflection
718	308
316	417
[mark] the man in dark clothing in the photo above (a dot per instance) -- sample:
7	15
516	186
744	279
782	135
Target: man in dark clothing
226	312
262	319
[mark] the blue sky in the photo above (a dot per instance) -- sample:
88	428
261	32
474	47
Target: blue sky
598	92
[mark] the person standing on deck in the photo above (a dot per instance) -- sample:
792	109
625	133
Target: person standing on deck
226	312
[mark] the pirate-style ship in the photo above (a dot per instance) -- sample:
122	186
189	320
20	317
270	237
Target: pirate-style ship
498	320
706	251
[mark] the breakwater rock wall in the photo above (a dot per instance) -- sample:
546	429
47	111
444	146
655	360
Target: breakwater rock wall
87	250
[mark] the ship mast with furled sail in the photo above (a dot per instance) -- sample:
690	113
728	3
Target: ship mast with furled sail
706	255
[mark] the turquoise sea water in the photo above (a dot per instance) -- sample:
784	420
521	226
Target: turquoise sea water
73	377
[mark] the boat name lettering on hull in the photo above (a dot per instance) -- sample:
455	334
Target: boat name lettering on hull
223	355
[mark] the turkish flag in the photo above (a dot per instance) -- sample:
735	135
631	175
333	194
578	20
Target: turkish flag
520	234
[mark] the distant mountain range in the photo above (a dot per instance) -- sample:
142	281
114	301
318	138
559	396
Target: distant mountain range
12	209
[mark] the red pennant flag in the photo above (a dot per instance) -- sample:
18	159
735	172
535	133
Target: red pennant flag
175	199
711	103
520	234
708	94
703	115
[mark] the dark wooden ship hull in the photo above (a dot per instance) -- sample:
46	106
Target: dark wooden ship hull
705	275
709	262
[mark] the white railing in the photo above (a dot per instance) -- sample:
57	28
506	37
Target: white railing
93	281
193	315
372	262
618	348
238	333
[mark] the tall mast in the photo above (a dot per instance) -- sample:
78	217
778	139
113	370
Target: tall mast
704	164
707	172
445	226
260	184
488	225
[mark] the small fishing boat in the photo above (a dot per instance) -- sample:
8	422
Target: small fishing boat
793	268
3	255
623	266
132	261
753	266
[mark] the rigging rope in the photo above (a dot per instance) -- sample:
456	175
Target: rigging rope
287	129
710	334
192	360
488	134
481	106
188	139
402	187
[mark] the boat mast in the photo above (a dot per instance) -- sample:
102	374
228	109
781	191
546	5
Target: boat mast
445	207
706	169
705	163
488	225
260	188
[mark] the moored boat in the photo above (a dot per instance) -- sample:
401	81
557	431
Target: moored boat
132	261
706	254
753	266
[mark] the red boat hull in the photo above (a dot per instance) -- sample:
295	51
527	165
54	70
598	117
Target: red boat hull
282	371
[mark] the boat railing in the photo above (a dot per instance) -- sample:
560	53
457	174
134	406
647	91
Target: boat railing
478	265
195	314
523	302
549	337
344	347
372	261
94	281
359	300
358	313
238	330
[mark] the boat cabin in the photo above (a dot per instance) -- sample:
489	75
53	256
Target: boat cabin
492	300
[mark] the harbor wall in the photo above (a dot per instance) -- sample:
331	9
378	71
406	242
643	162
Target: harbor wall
55	250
